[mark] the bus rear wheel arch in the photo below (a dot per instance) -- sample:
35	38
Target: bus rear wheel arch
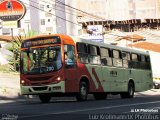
83	90
130	92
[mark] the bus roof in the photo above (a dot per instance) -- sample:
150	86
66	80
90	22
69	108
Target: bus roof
82	40
68	40
65	38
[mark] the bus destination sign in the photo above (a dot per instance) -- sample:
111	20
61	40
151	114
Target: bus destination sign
41	41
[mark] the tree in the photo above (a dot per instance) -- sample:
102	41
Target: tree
14	48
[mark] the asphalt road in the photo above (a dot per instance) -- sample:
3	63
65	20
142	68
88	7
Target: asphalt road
139	107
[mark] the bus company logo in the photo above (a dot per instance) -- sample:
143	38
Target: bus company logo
11	10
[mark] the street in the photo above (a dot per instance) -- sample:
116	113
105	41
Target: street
114	107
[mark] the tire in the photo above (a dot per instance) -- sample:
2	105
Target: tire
83	92
100	96
45	98
130	93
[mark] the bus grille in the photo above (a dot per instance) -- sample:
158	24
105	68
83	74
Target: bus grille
40	88
39	78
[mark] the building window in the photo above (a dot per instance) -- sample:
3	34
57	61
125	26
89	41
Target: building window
47	6
49	29
48	14
41	6
49	20
42	21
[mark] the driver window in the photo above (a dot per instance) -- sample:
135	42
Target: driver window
69	54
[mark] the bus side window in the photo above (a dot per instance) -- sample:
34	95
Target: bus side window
148	64
94	54
117	61
82	52
134	62
70	57
125	58
142	62
106	57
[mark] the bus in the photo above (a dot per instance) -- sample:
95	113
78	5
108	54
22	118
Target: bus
61	65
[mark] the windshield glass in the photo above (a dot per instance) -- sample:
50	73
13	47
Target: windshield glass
41	60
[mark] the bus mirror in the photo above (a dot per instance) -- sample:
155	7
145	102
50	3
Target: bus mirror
28	50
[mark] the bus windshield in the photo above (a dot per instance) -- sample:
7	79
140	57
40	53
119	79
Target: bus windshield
41	60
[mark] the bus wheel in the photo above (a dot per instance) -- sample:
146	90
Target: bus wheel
100	96
45	98
130	92
83	92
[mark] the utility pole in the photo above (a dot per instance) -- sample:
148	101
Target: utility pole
14	60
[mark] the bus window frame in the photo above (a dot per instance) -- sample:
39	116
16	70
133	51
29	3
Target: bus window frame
126	59
117	59
106	58
93	55
82	53
74	65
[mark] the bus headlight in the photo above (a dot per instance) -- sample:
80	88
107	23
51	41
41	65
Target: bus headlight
22	81
58	78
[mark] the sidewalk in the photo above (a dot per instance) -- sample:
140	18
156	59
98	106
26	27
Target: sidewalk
9	85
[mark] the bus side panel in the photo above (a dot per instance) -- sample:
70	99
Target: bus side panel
119	79
106	78
142	79
71	80
147	80
95	72
136	76
91	73
74	76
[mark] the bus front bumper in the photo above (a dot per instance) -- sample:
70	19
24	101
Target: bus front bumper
51	88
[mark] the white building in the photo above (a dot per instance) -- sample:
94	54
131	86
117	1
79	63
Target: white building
119	10
45	17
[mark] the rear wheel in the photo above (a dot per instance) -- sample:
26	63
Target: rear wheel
83	92
100	96
45	98
130	93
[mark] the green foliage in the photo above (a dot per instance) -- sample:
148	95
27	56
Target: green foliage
14	48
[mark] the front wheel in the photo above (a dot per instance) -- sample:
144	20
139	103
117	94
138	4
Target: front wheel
45	98
130	93
83	92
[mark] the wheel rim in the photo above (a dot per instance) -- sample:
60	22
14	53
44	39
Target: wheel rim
131	91
83	91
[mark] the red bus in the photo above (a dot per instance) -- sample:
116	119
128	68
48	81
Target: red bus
60	65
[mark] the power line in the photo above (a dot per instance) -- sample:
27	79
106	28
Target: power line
51	13
53	7
80	10
60	3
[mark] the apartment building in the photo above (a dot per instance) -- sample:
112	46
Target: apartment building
41	16
63	16
119	9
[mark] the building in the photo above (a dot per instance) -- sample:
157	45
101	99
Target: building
43	17
119	10
64	16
